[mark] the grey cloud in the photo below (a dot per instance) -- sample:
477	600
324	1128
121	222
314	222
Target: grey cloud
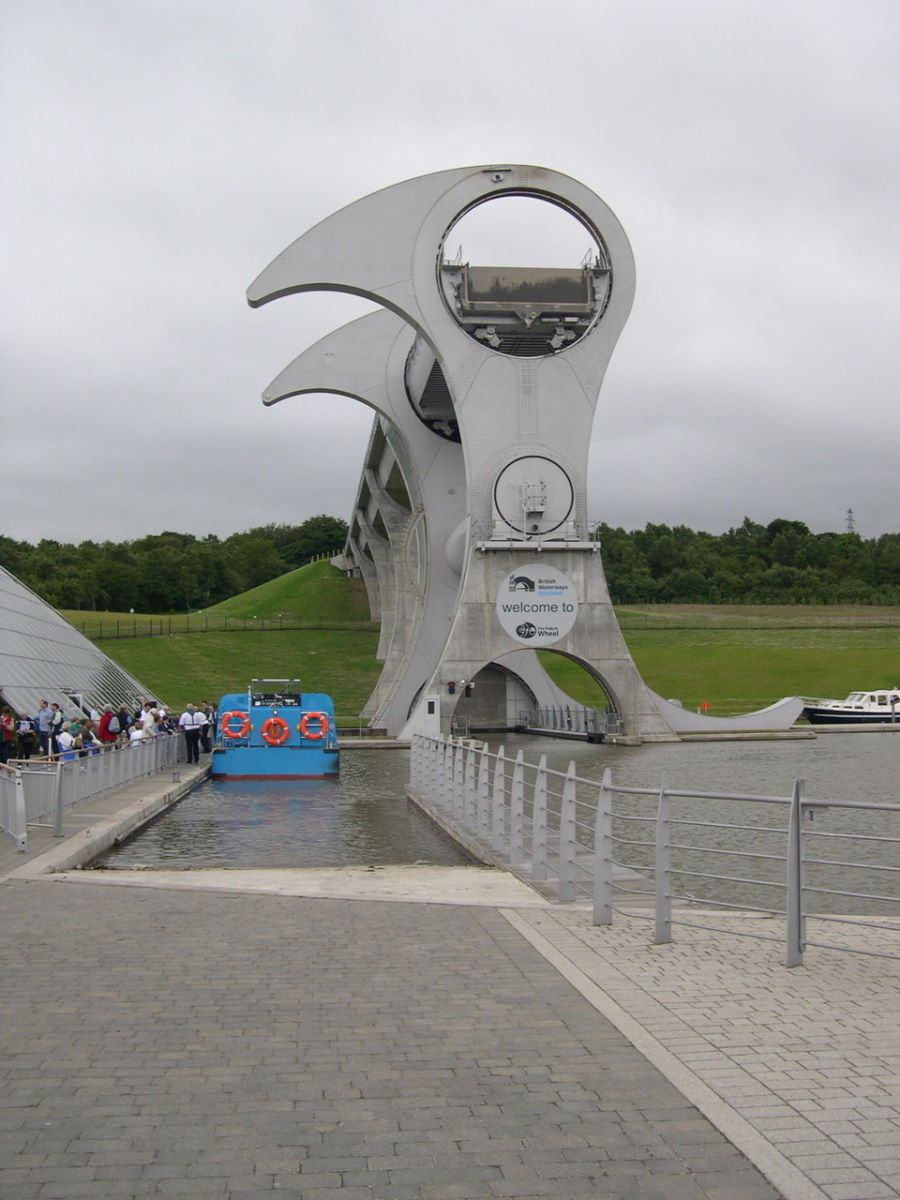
158	155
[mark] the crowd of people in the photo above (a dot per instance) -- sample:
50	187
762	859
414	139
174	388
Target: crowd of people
50	733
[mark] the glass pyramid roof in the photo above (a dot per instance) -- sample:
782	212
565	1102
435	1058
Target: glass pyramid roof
43	657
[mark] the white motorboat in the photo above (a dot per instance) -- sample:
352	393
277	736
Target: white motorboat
878	707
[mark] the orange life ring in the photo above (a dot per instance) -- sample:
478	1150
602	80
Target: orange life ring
314	734
275	731
230	717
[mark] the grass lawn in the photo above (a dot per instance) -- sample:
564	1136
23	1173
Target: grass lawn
203	666
730	671
736	671
314	592
734	659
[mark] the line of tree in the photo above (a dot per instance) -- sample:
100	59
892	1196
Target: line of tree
167	572
778	563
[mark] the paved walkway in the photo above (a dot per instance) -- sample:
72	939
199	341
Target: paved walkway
242	1034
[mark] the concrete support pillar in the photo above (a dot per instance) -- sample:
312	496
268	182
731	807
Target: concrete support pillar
478	635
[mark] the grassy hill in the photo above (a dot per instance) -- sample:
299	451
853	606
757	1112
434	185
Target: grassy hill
731	658
317	592
311	624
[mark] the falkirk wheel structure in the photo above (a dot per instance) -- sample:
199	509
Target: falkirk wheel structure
470	526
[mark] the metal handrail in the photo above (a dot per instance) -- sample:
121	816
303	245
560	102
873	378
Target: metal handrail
539	822
37	792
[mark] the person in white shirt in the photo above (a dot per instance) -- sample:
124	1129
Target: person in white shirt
192	721
64	741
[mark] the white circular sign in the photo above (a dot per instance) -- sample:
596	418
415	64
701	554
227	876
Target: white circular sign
537	604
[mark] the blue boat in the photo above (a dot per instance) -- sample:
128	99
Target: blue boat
275	730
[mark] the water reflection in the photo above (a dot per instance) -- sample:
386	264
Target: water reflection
361	818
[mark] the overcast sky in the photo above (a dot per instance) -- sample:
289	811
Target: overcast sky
157	154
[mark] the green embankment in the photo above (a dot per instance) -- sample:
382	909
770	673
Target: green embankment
730	659
192	667
739	671
317	592
334	653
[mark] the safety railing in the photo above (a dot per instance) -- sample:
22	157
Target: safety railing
116	628
13	817
661	854
592	724
36	792
356	725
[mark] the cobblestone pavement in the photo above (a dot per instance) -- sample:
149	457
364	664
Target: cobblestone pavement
800	1067
176	1043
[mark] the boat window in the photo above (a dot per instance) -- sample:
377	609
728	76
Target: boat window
280	699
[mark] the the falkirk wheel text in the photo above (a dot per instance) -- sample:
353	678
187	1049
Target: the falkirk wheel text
470	526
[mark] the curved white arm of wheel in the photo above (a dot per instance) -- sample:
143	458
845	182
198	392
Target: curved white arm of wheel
365	248
778	716
351	361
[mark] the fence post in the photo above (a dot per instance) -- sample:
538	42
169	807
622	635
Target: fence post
462	782
539	824
603	852
567	838
427	767
793	956
423	762
433	778
436	769
498	799
663	874
446	792
19	814
459	783
415	746
484	796
470	809
58	801
517	812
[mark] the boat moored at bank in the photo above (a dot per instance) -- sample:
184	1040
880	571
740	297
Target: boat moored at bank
879	706
275	730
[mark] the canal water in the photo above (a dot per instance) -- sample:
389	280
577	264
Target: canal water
717	844
837	766
364	817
